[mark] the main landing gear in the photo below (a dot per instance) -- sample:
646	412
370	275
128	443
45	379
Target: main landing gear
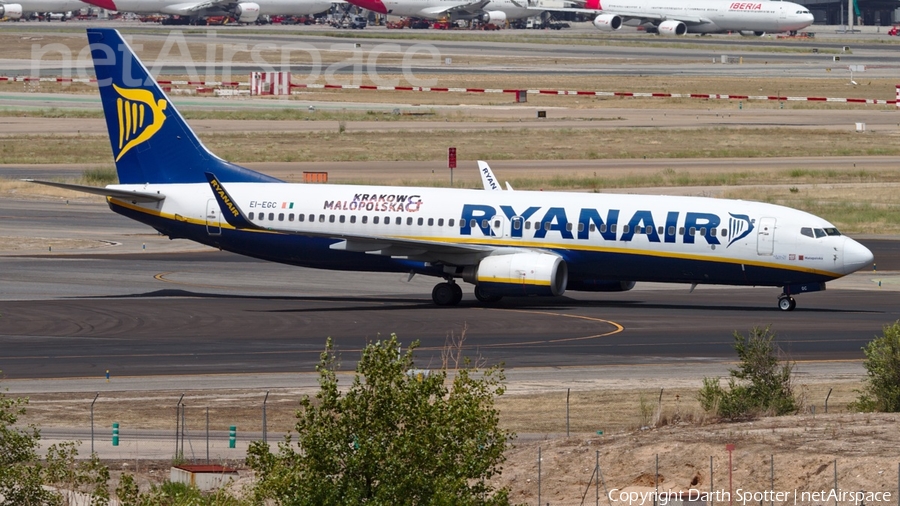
786	303
447	294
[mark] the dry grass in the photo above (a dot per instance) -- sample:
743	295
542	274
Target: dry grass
603	142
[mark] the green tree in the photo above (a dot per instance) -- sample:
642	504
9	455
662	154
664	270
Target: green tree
20	473
882	387
394	437
761	384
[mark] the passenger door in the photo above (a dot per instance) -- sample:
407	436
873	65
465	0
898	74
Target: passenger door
765	236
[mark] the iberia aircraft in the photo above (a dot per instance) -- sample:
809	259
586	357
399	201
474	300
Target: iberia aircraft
677	17
505	243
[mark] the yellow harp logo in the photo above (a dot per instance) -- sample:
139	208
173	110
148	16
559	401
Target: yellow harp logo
135	126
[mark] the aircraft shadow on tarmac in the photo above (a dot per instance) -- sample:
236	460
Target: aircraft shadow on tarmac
512	303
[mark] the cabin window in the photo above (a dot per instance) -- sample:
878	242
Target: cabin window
723	233
321	218
430	222
712	232
251	215
692	231
342	218
569	227
485	224
517	224
331	219
352	218
612	228
593	227
581	227
659	230
496	223
702	231
440	222
375	220
450	222
301	217
291	217
387	220
409	220
280	216
365	219
271	216
625	229
473	223
420	221
546	225
671	229
680	230
527	225
398	221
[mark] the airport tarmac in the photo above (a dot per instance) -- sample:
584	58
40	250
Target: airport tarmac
139	304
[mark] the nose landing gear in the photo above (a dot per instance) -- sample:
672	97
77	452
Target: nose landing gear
446	294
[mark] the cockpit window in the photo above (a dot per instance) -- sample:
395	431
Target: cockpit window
819	233
832	231
807	231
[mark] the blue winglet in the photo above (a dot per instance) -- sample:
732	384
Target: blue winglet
230	211
151	141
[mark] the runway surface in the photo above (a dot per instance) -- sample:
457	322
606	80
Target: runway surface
190	310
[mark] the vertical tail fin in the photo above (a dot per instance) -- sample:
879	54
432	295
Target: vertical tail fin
151	142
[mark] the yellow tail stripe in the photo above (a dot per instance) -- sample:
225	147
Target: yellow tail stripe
127	119
134	117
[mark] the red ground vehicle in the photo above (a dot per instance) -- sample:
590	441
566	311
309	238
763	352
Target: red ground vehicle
894	31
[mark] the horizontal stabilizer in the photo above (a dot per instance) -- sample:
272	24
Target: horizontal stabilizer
132	196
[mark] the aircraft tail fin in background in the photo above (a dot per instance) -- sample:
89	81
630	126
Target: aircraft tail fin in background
151	142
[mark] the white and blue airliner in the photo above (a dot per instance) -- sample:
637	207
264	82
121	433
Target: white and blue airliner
505	243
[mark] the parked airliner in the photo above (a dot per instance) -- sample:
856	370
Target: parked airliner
16	9
505	243
243	11
677	17
488	11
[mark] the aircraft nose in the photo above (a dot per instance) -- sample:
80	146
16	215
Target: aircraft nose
856	256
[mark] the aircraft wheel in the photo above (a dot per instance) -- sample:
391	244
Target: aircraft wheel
457	294
444	294
786	303
482	297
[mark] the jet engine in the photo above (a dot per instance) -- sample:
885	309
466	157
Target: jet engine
608	22
747	33
672	27
11	11
246	12
519	274
496	17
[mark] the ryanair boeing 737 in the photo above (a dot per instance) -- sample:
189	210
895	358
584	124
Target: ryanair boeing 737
505	243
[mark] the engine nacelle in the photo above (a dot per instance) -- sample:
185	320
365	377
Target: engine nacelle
496	17
246	12
11	11
521	274
608	22
601	285
747	33
672	28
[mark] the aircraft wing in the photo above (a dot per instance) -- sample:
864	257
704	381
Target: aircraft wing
132	196
414	249
467	8
189	8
